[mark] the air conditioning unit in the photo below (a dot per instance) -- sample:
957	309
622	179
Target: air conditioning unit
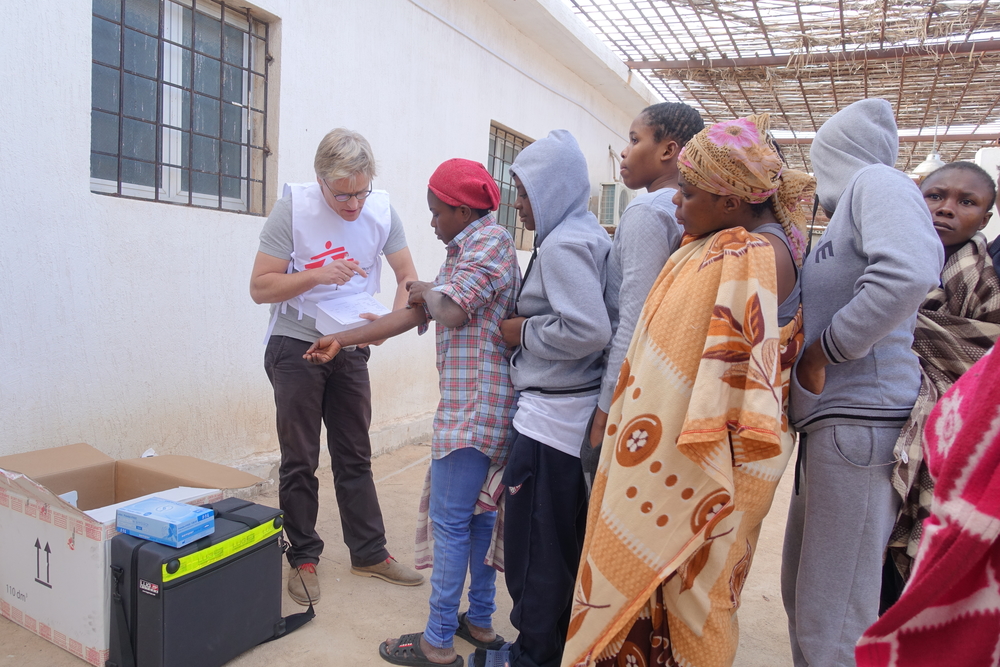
615	197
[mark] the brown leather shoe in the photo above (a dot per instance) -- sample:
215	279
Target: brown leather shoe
390	570
303	584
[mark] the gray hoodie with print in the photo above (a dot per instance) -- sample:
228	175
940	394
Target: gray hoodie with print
865	278
563	339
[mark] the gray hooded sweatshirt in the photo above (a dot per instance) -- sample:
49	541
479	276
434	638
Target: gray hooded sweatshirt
865	278
563	339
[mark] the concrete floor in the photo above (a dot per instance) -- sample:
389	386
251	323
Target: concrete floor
357	613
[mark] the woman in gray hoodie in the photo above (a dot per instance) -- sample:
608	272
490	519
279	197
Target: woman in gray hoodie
561	328
856	382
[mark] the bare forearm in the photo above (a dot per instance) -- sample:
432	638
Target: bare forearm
384	327
278	287
399	301
444	310
403	270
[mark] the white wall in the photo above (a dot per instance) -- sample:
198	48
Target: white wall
989	159
128	324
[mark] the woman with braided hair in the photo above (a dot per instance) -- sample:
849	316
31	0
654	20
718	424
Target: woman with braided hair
697	437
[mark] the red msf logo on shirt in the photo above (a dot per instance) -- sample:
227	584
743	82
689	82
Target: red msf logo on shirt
331	253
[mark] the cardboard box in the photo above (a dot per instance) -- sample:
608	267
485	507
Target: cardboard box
163	521
54	574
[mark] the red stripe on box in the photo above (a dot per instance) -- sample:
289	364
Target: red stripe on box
90	654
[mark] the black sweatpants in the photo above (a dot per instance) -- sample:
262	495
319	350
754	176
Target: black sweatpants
546	515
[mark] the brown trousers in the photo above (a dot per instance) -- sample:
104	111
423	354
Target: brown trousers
339	395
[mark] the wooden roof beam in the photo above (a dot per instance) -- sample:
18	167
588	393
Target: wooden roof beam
941	138
819	58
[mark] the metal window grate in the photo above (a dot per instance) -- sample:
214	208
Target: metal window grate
504	147
179	103
608	204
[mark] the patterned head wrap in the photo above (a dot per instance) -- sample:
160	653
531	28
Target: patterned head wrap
738	157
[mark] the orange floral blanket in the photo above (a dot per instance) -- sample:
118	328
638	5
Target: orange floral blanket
696	442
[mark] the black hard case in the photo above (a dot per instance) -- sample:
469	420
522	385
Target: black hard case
207	617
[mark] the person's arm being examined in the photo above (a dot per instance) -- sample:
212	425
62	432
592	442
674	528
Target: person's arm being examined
387	326
442	308
401	263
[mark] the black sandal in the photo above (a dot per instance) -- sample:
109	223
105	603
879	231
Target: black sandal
408	652
465	633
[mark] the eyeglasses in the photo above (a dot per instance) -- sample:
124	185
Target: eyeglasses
342	196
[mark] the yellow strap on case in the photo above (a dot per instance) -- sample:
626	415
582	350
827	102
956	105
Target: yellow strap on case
215	553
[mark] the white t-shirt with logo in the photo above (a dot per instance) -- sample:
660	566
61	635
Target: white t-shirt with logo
276	240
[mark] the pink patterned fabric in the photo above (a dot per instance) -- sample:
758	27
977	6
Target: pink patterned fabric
949	613
738	157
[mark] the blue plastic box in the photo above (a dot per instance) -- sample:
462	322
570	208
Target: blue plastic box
166	522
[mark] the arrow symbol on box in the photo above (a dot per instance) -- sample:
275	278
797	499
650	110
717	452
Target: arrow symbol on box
38	563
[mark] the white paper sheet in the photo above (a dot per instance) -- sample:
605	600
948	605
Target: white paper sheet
347	310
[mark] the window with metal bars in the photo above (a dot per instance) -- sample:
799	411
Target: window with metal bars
179	103
505	144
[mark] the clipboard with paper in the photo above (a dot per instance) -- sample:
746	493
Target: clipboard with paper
342	314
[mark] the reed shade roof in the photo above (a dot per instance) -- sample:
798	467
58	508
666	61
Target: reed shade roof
938	63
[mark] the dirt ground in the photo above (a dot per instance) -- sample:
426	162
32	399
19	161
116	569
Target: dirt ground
357	613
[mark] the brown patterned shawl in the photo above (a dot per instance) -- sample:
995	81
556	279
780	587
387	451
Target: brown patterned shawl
957	325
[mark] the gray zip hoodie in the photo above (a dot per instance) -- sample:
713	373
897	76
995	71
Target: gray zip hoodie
865	278
563	339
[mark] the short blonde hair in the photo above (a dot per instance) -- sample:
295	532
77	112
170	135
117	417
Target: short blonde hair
342	154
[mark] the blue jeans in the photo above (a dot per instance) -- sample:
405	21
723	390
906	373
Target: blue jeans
461	540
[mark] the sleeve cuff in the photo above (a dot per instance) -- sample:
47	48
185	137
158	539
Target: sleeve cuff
833	353
524	330
448	290
422	329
